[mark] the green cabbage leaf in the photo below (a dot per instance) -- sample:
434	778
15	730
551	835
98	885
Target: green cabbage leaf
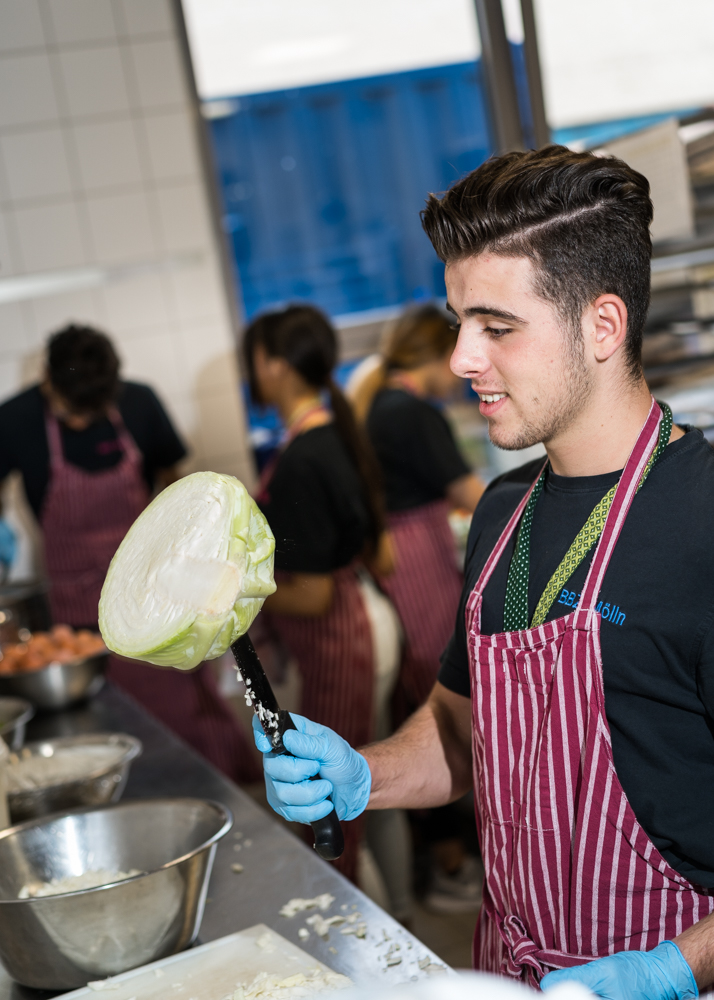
190	575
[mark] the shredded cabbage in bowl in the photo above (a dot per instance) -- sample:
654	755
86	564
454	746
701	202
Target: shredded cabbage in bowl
190	575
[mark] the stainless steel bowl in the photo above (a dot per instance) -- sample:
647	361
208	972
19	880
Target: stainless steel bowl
97	788
59	684
62	942
15	713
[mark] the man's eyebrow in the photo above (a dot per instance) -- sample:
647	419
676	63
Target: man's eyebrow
509	317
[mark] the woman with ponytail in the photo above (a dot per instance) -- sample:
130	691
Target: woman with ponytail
321	498
424	476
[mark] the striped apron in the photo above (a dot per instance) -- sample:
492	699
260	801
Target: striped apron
335	657
425	589
84	518
570	874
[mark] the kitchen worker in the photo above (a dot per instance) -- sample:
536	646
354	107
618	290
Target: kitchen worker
91	449
577	691
425	476
321	500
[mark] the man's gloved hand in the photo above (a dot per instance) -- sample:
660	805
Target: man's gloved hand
660	974
344	774
8	544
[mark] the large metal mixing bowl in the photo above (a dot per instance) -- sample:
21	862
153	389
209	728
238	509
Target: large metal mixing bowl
103	784
15	713
58	685
62	942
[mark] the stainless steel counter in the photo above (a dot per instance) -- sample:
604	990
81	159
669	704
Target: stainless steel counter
277	865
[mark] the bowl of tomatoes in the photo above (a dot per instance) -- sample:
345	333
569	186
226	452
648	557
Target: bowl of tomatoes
53	669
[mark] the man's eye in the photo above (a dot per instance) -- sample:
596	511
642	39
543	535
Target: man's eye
455	327
498	331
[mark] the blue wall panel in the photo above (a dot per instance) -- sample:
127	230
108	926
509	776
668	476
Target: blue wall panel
322	186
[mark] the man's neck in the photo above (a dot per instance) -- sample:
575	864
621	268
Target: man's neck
603	434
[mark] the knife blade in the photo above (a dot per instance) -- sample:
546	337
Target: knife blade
275	722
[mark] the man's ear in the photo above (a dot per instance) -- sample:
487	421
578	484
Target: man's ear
605	325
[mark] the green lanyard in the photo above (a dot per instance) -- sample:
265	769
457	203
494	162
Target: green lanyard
515	614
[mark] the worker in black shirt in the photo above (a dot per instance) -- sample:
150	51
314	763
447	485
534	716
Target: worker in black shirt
320	498
91	450
425	476
577	695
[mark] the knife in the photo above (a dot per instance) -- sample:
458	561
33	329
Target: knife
275	722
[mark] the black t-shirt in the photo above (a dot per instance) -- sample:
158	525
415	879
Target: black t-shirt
315	504
415	447
657	630
23	439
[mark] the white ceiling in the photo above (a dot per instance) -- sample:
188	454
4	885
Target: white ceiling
601	58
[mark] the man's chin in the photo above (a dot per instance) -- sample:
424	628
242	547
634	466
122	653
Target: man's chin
514	440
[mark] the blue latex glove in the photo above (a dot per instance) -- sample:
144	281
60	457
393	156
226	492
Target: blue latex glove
660	974
8	543
344	774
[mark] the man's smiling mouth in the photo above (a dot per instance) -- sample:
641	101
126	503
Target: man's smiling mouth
491	397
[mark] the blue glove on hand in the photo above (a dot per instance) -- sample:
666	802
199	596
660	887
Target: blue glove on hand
8	544
660	974
344	774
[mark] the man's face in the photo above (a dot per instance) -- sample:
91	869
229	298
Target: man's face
529	371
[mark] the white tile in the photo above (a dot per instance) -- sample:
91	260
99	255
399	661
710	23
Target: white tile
160	75
26	90
50	236
8	262
198	292
151	359
13	331
209	357
137	304
20	25
82	21
147	17
121	228
173	148
184	218
94	81
36	164
108	154
54	312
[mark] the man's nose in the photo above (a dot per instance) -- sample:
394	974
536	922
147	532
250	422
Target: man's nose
468	359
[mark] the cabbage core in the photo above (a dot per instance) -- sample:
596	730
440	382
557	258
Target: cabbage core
190	575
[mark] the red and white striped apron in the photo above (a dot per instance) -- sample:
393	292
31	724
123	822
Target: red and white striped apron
570	874
425	588
335	656
84	518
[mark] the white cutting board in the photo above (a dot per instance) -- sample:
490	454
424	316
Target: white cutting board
209	972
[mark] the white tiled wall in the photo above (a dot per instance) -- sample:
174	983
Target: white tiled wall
100	166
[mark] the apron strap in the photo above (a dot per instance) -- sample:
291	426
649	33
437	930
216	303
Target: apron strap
492	560
637	463
54	440
129	446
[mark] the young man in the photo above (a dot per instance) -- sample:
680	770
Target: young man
577	692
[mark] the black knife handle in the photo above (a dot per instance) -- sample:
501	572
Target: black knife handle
329	840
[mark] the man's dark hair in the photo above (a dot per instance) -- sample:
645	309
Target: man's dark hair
582	219
83	368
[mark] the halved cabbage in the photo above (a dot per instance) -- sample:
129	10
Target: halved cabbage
190	575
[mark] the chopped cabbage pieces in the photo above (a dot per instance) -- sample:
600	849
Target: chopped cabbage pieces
190	575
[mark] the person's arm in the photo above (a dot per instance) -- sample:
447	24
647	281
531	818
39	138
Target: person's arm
465	492
308	595
697	947
428	761
382	562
